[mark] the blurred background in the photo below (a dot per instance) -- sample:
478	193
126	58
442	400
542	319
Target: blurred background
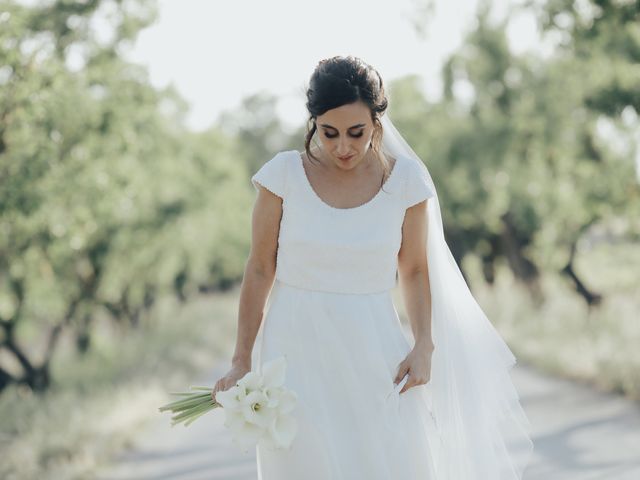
129	130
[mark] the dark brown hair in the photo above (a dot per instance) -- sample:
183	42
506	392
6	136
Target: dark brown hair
338	81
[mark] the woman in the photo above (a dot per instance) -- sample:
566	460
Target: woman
334	228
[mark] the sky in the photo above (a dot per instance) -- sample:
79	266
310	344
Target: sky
216	53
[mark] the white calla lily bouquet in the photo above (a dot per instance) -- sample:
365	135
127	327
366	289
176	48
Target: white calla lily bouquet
258	408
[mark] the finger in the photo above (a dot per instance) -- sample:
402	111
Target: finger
402	371
410	383
401	375
413	382
215	390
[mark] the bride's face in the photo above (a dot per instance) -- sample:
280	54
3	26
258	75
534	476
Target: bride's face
345	133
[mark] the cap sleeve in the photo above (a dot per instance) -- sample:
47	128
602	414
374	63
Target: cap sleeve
417	186
272	175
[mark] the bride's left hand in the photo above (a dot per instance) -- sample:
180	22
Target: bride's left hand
417	364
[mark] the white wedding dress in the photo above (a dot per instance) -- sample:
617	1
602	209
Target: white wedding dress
331	314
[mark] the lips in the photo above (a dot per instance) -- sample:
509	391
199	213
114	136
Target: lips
345	158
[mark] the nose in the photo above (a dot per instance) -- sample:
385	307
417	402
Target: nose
343	147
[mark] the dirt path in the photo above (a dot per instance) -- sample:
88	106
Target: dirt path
579	434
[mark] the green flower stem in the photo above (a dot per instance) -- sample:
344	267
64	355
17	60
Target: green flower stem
188	422
191	398
188	402
197	409
191	406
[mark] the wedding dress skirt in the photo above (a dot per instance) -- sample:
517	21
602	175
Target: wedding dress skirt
342	353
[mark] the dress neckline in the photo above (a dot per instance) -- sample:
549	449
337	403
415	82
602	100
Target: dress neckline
300	163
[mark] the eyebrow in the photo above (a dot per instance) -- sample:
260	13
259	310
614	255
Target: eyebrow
326	125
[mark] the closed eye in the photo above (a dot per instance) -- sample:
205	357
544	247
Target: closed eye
354	135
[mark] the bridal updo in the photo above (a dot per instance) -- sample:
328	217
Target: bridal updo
338	81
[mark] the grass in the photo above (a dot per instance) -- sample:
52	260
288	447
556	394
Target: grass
563	336
101	399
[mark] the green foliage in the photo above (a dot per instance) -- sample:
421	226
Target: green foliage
520	165
109	203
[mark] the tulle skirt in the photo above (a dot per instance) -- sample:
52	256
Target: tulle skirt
342	354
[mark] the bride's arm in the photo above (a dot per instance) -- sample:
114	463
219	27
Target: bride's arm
259	272
413	273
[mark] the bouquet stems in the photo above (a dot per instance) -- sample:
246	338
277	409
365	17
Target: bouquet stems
191	406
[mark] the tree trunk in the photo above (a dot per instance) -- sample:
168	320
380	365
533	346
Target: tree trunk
522	267
592	299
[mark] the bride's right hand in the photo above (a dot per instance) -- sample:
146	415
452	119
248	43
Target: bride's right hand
235	373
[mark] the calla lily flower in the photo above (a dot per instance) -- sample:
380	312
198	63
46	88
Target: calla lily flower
258	409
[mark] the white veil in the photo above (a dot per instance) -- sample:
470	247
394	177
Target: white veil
482	428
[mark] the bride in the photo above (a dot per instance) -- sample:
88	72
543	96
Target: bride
333	229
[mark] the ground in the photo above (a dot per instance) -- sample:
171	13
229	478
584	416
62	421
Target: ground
578	433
